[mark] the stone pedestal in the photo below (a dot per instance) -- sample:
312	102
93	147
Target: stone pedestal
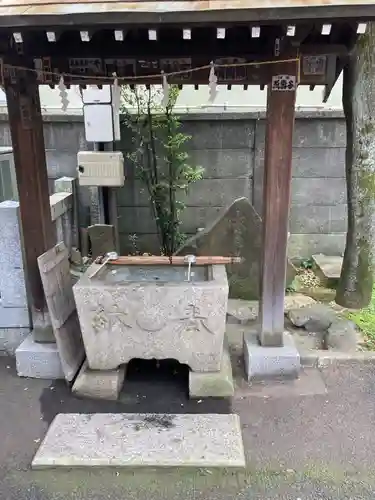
217	384
37	360
270	362
98	384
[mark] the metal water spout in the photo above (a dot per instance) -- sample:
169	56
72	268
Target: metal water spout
108	257
190	259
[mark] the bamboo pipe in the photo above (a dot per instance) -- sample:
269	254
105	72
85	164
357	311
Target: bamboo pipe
153	260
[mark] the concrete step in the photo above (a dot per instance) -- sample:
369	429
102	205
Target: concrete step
38	360
141	440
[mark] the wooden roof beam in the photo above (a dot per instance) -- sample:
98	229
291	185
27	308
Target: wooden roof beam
298	33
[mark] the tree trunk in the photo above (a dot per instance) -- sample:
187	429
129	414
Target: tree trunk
356	280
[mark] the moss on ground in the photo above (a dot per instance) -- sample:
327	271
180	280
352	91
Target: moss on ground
365	320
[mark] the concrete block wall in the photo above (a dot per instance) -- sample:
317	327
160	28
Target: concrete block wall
225	151
230	147
64	136
231	150
318	199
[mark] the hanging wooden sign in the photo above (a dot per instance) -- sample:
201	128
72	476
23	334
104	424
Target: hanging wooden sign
284	83
314	65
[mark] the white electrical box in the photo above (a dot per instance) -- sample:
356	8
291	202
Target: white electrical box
92	94
101	114
101	168
98	120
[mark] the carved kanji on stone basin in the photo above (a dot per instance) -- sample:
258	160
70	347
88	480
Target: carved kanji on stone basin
194	320
104	320
123	319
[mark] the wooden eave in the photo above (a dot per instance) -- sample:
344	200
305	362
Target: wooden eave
137	56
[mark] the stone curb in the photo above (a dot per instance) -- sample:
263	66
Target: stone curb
321	359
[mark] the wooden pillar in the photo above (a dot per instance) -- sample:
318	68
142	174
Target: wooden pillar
276	199
26	127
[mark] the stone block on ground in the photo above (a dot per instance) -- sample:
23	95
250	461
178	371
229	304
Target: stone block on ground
36	360
296	301
98	384
269	362
242	311
213	384
102	239
237	232
142	440
328	269
313	317
342	335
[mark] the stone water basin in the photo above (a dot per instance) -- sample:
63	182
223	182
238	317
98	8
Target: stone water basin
153	312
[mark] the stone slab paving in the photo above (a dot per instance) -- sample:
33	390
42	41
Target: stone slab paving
137	440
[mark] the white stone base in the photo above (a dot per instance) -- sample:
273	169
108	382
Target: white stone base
142	440
267	362
11	338
98	384
36	360
213	384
